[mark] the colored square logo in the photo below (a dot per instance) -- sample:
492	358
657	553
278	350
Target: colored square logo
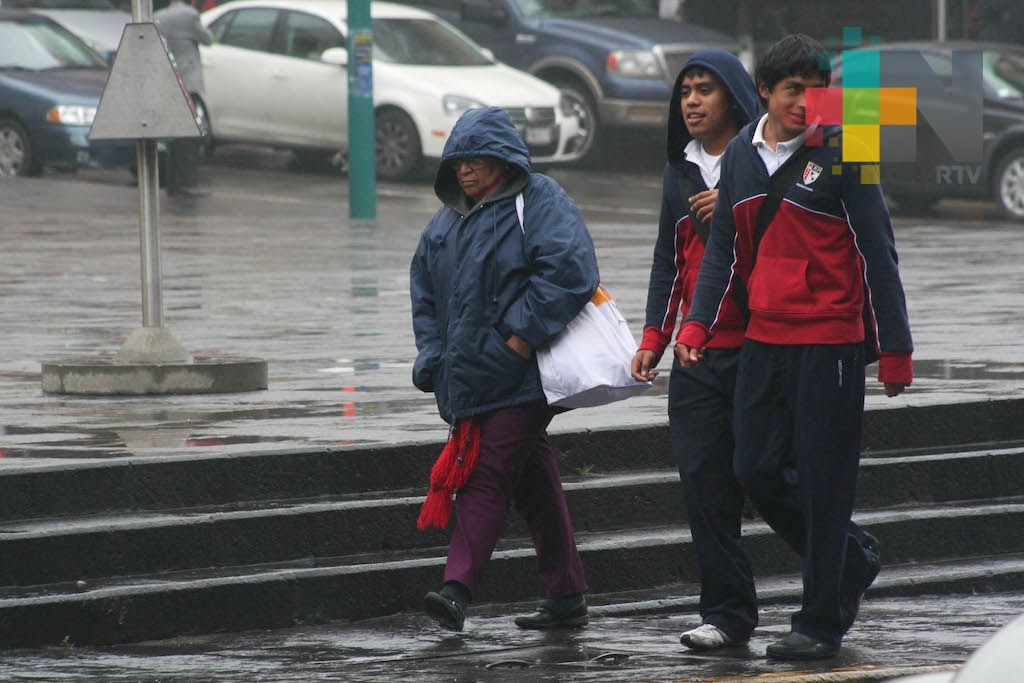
825	106
897	106
860	106
860	143
861	69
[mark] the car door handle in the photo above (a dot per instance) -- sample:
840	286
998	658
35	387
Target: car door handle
277	75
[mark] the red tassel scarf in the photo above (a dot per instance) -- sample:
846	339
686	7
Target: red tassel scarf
451	472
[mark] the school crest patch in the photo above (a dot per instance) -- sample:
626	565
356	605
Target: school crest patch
811	172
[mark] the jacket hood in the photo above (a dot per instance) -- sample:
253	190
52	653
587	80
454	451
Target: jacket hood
729	70
482	132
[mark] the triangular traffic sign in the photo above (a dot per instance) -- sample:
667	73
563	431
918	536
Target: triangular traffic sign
144	97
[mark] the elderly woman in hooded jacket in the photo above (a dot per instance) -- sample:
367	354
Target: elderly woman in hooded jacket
500	269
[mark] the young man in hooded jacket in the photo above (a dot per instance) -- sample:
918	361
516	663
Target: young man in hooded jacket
824	298
487	290
713	98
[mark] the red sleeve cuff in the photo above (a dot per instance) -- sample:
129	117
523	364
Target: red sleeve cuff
693	334
654	340
895	367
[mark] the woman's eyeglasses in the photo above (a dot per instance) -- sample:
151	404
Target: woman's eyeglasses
474	163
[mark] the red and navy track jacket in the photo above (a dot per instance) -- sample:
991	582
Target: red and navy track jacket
826	269
677	258
678	250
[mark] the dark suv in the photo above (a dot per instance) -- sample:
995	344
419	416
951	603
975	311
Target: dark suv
614	60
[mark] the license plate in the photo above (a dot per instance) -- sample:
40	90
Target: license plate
539	136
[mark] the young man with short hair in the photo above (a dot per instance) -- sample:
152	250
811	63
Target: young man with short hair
824	297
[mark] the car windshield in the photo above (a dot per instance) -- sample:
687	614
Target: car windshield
588	8
35	45
1004	72
423	42
59	4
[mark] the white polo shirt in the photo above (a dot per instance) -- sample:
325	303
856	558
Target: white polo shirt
774	158
710	165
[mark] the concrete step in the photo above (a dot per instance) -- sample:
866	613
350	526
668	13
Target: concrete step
90	547
354	587
29	491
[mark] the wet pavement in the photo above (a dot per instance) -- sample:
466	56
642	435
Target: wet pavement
893	637
270	266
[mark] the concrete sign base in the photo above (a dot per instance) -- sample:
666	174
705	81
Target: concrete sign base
108	376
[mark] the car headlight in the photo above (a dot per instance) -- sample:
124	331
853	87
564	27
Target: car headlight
633	64
71	115
454	105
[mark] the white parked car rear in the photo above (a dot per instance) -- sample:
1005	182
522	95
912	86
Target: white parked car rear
277	75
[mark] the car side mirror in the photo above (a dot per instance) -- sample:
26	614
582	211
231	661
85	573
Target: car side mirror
335	55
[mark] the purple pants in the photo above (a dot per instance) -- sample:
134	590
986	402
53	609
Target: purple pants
516	465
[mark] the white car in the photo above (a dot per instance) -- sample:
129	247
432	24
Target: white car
277	75
98	22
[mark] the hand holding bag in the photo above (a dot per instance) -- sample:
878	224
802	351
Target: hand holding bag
588	363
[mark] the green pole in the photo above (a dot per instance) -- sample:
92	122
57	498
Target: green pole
362	173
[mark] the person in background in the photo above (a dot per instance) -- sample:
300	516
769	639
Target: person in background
712	99
1001	21
823	293
179	24
487	291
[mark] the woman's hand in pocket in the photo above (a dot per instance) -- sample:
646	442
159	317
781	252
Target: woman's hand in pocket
520	346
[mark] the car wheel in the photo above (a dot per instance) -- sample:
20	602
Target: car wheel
912	204
398	149
1008	185
16	150
579	102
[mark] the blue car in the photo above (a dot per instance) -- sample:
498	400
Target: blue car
50	87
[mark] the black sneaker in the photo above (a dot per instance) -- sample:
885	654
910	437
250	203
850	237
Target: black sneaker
557	613
447	613
798	646
850	602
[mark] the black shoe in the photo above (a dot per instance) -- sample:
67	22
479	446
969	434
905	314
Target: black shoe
850	603
557	613
799	646
447	613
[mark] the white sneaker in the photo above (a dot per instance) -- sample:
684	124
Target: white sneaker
705	637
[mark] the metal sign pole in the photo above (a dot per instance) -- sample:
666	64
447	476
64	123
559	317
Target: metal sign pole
149	207
145	100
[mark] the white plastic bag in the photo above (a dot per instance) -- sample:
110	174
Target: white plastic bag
588	363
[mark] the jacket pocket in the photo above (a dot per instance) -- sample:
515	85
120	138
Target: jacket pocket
491	372
779	285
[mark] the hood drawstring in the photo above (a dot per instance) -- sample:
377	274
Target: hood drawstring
494	253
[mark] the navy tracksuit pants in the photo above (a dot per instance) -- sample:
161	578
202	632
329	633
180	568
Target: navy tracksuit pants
802	406
700	408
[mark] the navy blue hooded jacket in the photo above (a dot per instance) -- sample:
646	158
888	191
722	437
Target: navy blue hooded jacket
679	251
478	277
